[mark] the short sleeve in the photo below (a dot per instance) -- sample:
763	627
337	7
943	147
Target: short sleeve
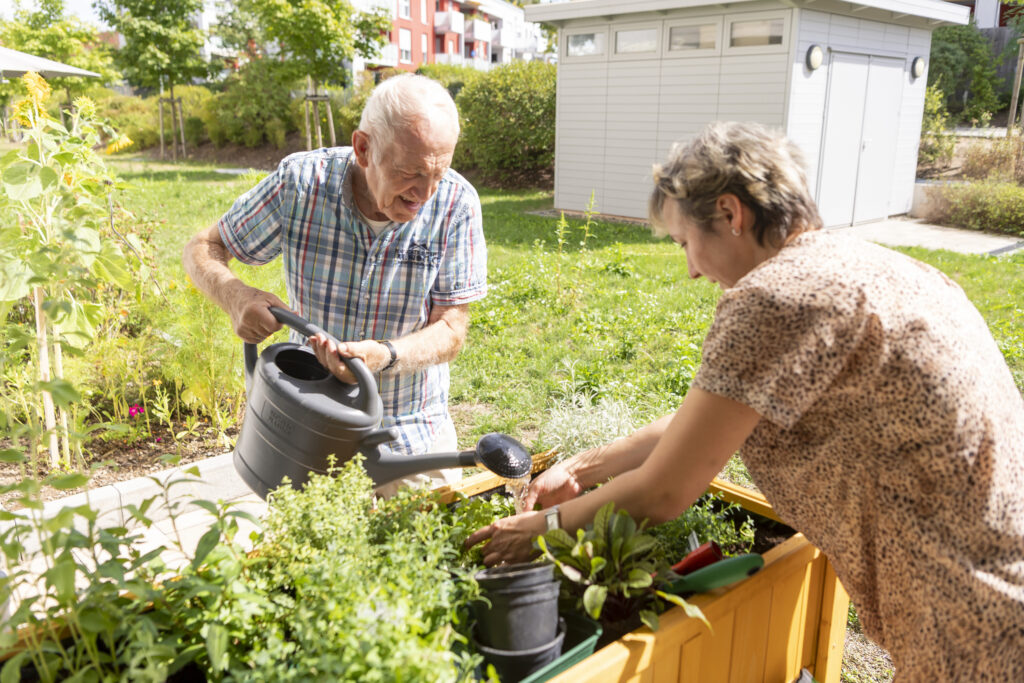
462	276
778	353
251	228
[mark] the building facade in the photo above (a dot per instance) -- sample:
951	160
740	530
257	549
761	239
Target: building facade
477	33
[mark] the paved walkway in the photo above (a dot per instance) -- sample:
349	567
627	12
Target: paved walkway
908	232
219	481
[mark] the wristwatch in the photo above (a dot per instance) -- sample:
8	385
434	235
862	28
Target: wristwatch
394	354
551	518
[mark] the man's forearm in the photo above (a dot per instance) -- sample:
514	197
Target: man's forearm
438	342
206	262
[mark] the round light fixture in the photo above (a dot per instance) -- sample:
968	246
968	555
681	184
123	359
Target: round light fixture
815	56
917	67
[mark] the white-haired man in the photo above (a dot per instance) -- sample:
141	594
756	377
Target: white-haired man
383	247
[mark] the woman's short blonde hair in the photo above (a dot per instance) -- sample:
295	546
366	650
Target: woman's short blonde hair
763	168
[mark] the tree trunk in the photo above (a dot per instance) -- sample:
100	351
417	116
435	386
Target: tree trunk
174	131
181	127
49	420
160	107
62	413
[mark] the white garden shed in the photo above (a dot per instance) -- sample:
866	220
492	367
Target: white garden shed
845	80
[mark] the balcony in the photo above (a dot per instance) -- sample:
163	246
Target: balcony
479	64
444	58
388	56
506	37
478	30
449	22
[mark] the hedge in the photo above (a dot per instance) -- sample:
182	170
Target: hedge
987	205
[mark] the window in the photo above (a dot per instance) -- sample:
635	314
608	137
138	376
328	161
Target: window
404	8
693	37
404	45
423	13
585	44
633	41
423	47
756	33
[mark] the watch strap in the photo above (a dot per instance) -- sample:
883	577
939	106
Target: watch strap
552	518
391	350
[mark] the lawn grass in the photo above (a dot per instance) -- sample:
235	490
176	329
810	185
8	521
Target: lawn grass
611	311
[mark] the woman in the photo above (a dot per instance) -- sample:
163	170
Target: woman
867	399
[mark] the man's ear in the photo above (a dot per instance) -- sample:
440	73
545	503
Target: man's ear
361	147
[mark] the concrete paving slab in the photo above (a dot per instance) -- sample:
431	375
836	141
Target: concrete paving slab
900	232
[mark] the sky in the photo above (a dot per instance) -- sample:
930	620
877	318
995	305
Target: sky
78	8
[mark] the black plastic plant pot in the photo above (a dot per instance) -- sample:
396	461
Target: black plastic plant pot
515	576
520	618
515	665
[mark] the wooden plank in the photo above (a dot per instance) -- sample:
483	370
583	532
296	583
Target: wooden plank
751	500
828	664
690	658
786	626
750	635
716	658
485	481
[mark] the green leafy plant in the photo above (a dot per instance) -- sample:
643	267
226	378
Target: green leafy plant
937	144
57	252
984	205
612	570
709	519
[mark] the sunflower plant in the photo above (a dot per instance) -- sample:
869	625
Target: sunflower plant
57	251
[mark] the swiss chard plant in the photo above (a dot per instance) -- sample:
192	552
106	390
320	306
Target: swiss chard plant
613	570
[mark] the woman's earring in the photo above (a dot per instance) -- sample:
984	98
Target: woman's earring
735	232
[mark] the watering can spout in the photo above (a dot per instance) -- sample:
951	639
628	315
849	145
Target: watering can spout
499	453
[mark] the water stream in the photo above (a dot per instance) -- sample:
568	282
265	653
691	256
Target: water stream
517	488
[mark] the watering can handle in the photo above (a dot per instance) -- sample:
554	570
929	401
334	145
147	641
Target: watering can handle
367	384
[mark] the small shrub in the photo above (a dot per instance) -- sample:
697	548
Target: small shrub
986	205
509	122
451	76
252	98
195	131
991	159
297	120
937	144
277	132
579	421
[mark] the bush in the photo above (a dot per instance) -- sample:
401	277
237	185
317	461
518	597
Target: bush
962	65
252	98
509	121
986	205
997	159
451	76
297	120
936	144
195	131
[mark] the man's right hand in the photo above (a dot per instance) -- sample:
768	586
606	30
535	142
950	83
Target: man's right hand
556	485
250	314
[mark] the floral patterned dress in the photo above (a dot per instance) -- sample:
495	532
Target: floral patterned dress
892	436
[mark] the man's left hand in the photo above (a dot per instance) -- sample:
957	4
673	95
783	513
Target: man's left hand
511	538
373	353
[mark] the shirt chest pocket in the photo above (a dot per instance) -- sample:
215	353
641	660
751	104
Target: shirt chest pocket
417	256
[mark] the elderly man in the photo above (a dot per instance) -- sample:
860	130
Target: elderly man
383	247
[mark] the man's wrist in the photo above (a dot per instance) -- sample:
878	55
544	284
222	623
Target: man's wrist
392	354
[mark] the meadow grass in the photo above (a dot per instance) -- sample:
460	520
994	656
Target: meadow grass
604	309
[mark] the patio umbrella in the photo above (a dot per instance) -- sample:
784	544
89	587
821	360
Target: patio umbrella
14	64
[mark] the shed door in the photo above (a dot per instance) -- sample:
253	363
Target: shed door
859	147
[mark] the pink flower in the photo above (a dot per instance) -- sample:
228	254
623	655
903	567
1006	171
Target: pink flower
159	439
135	409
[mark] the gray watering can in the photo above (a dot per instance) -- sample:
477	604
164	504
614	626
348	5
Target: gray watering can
298	414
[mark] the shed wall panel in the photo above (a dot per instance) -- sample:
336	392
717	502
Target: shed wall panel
909	135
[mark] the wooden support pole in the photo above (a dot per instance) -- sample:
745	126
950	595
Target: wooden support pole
160	106
330	122
1011	121
181	127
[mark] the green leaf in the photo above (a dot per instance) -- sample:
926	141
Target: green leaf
690	609
11	672
110	265
48	177
597	564
63	482
217	646
207	543
12	455
593	600
63	393
61	577
93	620
21	181
207	505
638	546
638	578
649	618
14	279
601	520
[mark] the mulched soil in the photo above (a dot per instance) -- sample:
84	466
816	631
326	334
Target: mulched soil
121	459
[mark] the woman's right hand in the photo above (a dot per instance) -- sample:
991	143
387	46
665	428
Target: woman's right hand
556	485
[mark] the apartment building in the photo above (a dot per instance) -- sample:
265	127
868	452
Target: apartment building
477	33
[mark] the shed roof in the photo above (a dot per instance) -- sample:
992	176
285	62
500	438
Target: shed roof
937	11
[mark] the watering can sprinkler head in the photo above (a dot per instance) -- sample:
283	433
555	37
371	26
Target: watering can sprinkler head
504	456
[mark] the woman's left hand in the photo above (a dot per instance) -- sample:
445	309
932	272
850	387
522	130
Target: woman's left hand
511	538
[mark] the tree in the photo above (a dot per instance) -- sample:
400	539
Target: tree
161	44
47	32
962	66
316	37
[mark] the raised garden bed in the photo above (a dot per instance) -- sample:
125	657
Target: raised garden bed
789	616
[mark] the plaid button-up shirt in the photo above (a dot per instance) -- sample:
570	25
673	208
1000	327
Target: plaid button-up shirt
359	286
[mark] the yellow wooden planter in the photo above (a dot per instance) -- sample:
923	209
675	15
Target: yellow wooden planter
790	615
